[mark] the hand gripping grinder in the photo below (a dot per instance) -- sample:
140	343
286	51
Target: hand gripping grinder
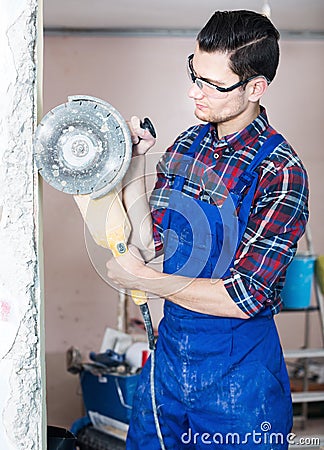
83	147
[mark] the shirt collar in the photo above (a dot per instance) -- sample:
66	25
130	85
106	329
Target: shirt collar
239	140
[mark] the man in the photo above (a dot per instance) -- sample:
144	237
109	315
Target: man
228	208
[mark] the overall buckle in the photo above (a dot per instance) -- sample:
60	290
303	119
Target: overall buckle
245	180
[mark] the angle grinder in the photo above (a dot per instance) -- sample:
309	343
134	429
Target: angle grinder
83	147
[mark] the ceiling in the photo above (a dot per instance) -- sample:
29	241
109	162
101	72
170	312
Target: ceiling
306	16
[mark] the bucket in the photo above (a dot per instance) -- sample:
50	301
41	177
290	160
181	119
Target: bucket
319	270
110	395
60	439
296	293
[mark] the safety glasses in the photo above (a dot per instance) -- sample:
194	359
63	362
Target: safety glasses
212	89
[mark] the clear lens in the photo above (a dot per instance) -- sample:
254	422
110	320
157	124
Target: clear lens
209	90
205	87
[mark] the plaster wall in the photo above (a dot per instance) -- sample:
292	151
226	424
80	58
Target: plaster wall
21	383
147	76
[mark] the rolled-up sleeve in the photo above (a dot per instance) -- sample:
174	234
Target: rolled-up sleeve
277	220
159	201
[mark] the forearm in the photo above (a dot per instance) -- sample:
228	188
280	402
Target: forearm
202	295
137	207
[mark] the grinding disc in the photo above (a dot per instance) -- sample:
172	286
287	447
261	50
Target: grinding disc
83	146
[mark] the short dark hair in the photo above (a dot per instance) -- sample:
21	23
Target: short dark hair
250	39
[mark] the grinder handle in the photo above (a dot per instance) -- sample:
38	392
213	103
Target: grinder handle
118	246
146	124
139	297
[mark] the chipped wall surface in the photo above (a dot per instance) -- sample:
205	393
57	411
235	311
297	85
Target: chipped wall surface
21	417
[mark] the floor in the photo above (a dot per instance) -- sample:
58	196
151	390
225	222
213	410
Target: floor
310	436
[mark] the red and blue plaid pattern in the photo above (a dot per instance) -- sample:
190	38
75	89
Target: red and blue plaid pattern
278	214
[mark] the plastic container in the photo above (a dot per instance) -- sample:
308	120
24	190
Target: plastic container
60	439
134	354
110	395
319	270
297	290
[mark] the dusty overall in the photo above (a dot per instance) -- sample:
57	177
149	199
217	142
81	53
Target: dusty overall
220	382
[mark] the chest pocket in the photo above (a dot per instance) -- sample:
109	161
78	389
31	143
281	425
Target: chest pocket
199	239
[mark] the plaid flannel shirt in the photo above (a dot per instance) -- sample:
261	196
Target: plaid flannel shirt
278	214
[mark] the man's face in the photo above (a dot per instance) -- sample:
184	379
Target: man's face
212	105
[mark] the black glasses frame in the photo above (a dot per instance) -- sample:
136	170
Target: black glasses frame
214	86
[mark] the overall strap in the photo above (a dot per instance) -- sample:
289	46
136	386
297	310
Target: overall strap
246	178
266	148
196	143
249	179
186	160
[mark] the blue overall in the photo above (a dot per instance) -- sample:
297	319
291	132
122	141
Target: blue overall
220	382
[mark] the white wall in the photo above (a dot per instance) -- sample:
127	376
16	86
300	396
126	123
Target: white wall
22	415
147	76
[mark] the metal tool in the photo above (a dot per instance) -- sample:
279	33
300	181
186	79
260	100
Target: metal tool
83	147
